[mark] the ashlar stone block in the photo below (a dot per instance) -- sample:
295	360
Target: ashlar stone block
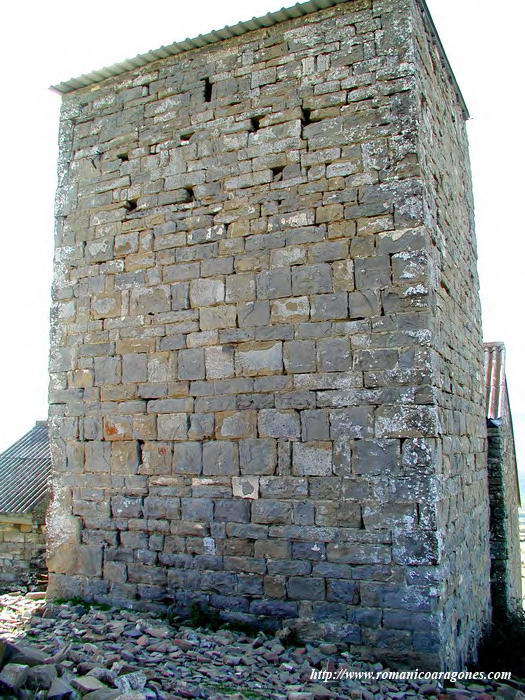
245	486
232	510
172	426
97	456
271	512
312	459
315	425
373	272
253	314
187	458
302	588
107	370
407	421
312	279
191	364
292	310
275	283
224	316
150	300
125	457
299	356
260	358
354	422
334	355
327	307
135	367
236	424
156	458
240	287
376	457
219	362
220	458
206	292
258	456
202	425
118	428
364	304
279	424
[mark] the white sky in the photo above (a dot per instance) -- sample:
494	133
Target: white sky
45	43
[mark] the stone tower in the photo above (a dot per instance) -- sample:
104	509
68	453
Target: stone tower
266	361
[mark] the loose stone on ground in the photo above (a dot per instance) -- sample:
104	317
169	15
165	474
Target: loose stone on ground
68	651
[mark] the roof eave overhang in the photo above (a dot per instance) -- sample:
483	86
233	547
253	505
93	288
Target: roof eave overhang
230	32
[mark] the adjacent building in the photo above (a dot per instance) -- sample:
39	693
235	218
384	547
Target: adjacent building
25	469
504	487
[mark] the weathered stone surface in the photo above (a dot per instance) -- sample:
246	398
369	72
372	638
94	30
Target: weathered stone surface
60	690
290	310
12	678
131	646
245	486
272	284
260	358
312	279
191	364
220	458
299	356
125	457
187	458
312	458
87	684
97	456
172	426
279	424
219	362
265	362
236	424
84	560
258	456
333	355
220	317
206	292
41	676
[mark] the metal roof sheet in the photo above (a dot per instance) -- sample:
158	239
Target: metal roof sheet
25	468
496	398
229	32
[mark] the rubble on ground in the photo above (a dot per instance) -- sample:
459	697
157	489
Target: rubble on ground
72	650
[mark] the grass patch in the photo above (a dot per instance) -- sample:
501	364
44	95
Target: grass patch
80	602
228	690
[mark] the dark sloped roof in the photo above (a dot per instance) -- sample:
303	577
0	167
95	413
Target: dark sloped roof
25	468
228	32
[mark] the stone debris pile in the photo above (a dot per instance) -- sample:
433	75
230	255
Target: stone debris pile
70	651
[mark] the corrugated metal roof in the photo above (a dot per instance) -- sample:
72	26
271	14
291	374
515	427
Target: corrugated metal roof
229	32
495	382
25	468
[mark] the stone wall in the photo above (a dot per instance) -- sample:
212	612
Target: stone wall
22	550
459	477
504	522
263	396
522	549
